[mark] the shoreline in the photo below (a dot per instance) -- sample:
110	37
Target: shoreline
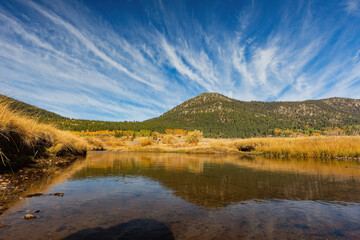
14	186
234	153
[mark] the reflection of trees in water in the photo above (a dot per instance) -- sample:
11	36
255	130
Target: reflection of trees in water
194	162
216	181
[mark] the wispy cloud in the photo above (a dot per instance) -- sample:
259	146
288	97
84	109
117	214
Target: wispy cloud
357	56
90	45
352	6
184	69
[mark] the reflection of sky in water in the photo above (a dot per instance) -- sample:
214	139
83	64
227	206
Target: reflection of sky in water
198	196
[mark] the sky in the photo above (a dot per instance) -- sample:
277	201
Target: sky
134	60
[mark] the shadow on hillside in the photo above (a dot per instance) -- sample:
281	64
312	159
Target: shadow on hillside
147	229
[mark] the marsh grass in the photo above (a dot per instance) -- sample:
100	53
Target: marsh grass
23	139
305	147
300	147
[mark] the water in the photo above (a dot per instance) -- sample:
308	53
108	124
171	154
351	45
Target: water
181	196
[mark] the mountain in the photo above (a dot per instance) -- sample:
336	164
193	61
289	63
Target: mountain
219	116
28	109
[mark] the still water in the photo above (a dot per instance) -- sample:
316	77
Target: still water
181	196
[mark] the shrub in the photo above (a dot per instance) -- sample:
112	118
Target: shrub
193	137
146	142
119	134
169	139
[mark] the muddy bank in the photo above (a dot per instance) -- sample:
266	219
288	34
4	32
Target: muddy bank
15	186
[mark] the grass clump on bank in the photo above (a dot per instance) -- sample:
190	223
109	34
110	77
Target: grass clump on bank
146	142
306	147
169	139
22	139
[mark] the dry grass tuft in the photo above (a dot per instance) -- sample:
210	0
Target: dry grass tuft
22	139
95	143
146	142
169	139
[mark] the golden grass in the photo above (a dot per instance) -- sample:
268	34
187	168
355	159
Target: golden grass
169	139
314	147
23	138
304	147
95	143
146	142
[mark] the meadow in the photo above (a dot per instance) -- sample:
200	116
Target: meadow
23	139
327	147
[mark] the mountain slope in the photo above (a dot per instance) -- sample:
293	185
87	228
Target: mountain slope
217	115
28	109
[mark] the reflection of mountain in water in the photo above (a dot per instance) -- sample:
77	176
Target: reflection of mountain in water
216	181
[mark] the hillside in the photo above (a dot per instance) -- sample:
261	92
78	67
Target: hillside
220	116
28	109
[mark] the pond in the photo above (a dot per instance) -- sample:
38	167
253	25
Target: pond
183	196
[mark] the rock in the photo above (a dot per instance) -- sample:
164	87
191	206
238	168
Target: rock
3	208
59	194
18	191
34	195
3	226
37	211
29	216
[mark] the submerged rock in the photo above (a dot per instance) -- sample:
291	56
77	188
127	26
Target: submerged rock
3	209
3	226
34	195
59	194
29	216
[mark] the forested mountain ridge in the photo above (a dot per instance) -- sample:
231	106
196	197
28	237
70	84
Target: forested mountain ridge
216	114
219	116
335	108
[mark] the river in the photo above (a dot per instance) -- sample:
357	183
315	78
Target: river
192	196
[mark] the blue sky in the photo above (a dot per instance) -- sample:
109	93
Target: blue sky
134	60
